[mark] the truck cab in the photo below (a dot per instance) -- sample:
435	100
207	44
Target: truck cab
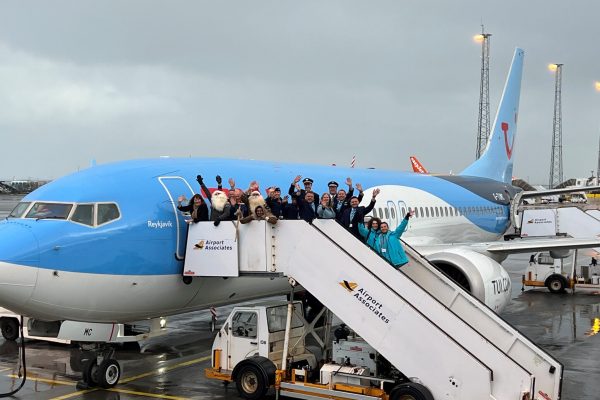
260	331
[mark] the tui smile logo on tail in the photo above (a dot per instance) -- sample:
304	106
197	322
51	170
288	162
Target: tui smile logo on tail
509	149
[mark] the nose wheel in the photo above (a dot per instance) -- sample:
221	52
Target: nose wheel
100	370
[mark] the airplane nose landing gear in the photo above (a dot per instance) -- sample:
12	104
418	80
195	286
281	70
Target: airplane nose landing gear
100	369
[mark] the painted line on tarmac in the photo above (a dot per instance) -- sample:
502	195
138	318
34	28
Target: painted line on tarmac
155	395
44	380
5	369
74	394
162	370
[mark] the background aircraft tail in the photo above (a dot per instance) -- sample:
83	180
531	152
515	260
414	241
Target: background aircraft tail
496	161
417	166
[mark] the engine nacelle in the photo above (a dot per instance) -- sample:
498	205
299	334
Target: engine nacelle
478	274
560	253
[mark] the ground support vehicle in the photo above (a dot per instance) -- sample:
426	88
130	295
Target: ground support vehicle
264	346
546	271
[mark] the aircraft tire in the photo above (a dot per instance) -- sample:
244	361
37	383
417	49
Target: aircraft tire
556	283
90	372
410	391
109	373
10	328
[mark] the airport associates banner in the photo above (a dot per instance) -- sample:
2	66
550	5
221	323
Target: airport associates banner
211	250
538	223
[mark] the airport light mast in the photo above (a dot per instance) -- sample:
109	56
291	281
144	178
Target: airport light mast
556	166
598	166
483	123
597	86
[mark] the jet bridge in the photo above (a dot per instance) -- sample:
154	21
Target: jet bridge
430	330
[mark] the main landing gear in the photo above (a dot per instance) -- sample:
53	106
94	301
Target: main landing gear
100	369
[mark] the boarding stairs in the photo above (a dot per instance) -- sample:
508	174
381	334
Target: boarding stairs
431	330
6	188
565	220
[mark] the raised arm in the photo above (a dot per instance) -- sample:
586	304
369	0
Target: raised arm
203	187
402	227
371	205
360	192
292	189
362	229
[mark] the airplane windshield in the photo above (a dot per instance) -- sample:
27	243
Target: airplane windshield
49	211
18	211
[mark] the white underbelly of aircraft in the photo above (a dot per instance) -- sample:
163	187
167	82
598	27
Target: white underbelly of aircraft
125	298
459	231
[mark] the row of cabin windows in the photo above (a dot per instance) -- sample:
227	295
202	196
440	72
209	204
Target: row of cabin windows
437	212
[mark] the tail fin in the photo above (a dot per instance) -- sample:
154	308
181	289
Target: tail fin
417	166
496	161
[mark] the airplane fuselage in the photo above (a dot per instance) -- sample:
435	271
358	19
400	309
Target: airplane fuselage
127	265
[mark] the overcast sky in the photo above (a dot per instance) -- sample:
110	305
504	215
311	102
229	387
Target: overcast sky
301	81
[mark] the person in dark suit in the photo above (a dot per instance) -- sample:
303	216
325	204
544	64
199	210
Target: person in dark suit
356	214
290	209
307	188
333	188
275	202
307	207
342	200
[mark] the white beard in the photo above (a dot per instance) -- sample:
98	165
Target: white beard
255	200
218	200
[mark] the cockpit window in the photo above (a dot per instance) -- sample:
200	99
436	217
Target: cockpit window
49	210
107	212
84	214
18	211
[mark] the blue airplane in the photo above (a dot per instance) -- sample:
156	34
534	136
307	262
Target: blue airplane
106	244
105	227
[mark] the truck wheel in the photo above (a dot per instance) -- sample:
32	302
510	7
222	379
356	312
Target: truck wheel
556	284
250	382
410	391
10	328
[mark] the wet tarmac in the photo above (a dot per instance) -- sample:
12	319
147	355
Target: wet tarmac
171	366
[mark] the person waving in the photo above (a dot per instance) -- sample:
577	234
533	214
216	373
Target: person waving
389	245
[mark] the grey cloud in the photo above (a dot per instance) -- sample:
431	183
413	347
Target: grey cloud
383	80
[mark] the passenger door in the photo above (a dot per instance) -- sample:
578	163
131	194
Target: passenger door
176	186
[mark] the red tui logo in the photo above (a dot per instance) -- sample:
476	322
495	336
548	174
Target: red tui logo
509	149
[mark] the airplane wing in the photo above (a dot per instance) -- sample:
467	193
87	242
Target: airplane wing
536	245
538	193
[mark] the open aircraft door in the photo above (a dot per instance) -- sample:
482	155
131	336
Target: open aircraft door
176	186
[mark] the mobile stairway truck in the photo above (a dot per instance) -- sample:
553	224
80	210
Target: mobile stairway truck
264	346
450	343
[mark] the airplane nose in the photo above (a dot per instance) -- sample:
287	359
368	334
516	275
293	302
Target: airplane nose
19	261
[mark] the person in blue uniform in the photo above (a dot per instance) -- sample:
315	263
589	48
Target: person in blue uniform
389	245
370	233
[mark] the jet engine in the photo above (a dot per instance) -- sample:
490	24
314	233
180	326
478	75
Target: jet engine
476	273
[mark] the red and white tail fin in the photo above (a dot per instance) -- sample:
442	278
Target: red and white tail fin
417	166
